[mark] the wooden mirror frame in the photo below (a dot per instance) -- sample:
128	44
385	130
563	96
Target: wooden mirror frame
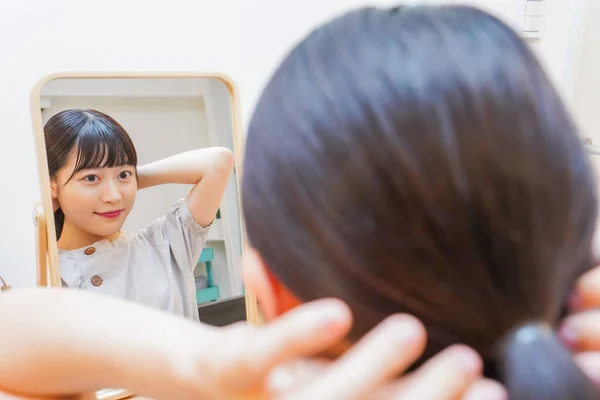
48	268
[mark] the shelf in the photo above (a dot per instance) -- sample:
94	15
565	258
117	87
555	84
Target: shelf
223	312
207	295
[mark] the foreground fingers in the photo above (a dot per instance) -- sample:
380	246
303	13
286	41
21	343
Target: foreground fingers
480	389
385	352
448	375
590	364
305	330
581	332
486	389
587	291
302	332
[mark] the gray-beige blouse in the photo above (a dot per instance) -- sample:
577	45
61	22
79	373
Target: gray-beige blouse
154	266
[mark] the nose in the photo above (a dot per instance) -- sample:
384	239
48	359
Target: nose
111	193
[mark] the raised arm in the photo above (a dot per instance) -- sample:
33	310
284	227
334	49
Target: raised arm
207	169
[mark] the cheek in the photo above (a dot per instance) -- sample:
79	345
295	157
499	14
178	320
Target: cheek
75	197
129	191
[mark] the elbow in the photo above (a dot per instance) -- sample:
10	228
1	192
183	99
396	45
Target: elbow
224	159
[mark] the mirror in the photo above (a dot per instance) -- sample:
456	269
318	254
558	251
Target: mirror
167	233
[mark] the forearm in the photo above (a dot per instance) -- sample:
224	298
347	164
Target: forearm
184	168
60	341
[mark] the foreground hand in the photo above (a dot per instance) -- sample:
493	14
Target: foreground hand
244	365
166	357
581	331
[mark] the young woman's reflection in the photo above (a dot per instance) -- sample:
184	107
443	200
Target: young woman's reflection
94	180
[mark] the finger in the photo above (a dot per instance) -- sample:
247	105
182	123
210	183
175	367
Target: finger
253	352
453	370
587	291
581	332
304	331
386	351
297	373
590	364
482	389
486	389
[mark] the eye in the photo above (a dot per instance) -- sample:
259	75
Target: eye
91	178
125	174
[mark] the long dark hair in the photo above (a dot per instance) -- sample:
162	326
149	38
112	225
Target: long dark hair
98	140
419	160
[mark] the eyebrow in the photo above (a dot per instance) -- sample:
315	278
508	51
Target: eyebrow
115	166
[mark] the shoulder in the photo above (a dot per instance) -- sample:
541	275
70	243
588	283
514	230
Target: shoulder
182	210
178	220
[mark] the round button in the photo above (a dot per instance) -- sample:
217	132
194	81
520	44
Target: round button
96	280
89	251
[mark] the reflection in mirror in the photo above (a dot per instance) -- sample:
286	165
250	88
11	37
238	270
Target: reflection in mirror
144	192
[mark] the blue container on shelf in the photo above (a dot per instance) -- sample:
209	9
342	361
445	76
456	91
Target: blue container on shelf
210	292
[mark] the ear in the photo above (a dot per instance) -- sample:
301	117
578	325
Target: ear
256	279
54	189
274	299
54	194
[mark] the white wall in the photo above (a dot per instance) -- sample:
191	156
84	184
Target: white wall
586	98
244	39
586	87
560	48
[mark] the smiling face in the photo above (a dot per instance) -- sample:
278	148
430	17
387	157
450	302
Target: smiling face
95	201
91	161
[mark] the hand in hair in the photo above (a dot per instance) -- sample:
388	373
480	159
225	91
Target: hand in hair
388	350
581	331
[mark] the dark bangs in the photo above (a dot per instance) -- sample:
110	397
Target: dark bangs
103	142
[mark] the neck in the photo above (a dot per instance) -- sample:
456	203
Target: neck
72	237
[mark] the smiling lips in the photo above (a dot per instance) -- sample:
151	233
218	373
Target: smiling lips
111	214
